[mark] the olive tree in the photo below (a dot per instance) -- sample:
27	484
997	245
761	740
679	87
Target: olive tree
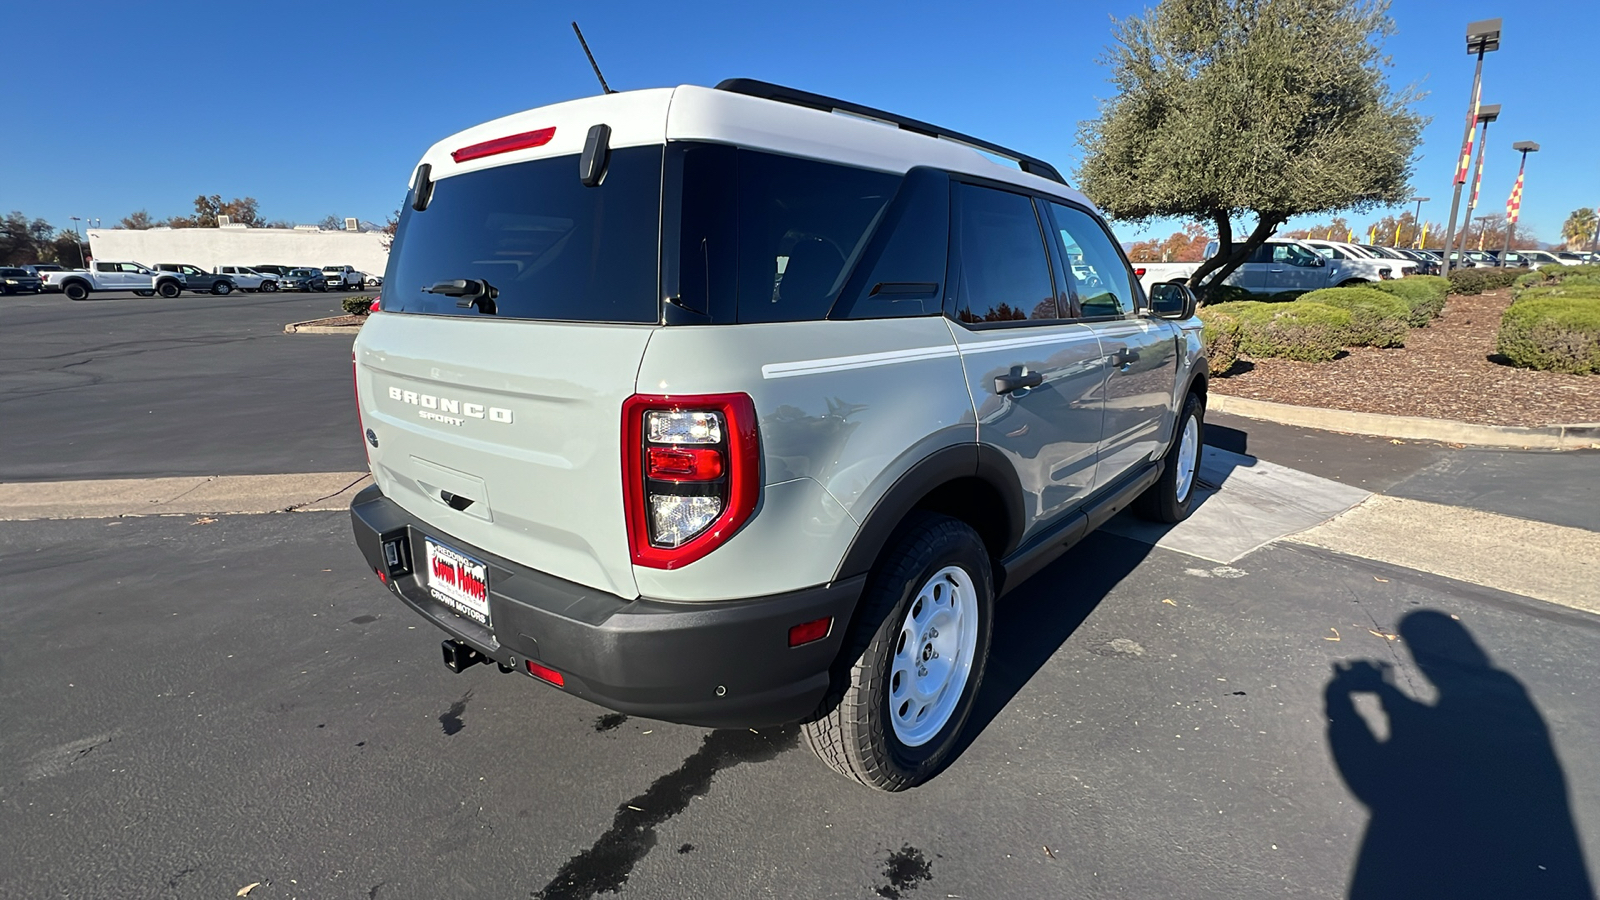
1267	109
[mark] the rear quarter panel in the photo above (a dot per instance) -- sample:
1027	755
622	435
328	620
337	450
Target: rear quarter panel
844	409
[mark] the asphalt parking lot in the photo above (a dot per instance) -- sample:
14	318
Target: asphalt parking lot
196	704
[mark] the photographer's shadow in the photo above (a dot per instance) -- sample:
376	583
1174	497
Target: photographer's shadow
1466	795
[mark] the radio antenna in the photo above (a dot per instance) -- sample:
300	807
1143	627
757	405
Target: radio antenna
603	86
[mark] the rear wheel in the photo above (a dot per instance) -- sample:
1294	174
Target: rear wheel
168	289
75	290
1171	498
910	671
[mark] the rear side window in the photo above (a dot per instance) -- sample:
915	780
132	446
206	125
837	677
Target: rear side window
802	227
552	248
1004	273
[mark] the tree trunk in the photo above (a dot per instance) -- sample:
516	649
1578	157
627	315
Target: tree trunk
1228	256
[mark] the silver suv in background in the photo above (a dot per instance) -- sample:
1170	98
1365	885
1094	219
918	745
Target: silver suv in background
752	424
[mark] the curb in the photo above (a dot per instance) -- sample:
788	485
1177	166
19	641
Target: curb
312	326
1416	428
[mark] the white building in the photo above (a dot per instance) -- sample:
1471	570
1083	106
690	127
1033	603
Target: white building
239	245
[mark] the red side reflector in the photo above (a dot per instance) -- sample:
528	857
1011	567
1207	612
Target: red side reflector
504	145
810	632
683	463
544	673
381	575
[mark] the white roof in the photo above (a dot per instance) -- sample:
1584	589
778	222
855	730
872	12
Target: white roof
691	113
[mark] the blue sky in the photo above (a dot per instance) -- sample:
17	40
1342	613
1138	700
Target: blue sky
319	108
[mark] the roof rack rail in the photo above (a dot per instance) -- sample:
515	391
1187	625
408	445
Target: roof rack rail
768	91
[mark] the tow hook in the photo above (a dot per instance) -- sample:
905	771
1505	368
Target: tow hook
459	657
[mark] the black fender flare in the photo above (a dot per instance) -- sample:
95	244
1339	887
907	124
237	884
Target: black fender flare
941	467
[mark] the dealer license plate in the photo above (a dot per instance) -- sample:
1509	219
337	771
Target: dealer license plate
458	581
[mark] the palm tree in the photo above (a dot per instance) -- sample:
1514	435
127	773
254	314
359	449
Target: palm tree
1579	227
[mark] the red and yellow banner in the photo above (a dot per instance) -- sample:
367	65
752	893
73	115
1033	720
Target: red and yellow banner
1477	175
1514	202
1472	129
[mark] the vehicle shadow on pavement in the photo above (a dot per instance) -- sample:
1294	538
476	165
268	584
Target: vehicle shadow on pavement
1032	622
1466	795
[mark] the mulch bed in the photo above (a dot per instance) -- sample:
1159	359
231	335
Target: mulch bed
1445	371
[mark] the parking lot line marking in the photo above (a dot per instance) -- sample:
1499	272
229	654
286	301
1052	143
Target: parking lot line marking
1554	563
191	495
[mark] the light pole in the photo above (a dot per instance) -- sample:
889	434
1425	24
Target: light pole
1514	204
1482	37
1416	222
1487	113
77	239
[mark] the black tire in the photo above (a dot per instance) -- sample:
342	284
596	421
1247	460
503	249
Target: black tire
852	731
169	289
145	293
270	287
222	288
1352	282
1161	502
323	287
75	290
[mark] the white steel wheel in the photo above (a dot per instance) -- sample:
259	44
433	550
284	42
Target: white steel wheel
908	675
1188	457
933	656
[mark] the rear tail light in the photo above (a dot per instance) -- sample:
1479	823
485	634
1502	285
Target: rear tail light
375	301
1139	273
691	474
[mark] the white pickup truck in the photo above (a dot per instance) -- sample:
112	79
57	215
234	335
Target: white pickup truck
77	284
1277	266
343	278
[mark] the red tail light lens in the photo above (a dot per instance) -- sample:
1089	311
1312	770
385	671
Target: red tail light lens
375	301
1139	273
504	145
683	463
691	474
545	673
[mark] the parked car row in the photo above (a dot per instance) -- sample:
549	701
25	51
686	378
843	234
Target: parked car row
1525	259
171	279
1284	264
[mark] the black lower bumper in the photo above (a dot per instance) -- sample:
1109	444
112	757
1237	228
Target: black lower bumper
716	664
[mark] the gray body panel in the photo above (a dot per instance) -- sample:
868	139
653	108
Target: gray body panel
546	486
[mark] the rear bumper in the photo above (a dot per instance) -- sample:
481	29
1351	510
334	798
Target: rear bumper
720	664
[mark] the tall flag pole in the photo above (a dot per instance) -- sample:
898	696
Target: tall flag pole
1465	162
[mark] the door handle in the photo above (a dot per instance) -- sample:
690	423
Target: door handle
1124	358
1005	384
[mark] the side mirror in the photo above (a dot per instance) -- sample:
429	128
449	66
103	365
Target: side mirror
1318	261
1172	300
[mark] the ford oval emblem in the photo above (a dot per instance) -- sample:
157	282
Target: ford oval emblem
372	437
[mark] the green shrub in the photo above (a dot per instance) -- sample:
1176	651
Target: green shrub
1579	291
356	306
1377	318
1467	281
1230	293
1220	335
1555	334
1423	295
1528	280
1311	332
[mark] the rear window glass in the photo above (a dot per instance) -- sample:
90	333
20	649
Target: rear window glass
552	248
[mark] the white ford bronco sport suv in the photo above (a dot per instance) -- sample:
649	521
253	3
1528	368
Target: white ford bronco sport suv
740	406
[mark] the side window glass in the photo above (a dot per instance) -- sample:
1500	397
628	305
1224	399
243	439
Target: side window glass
903	269
1280	252
802	227
1266	253
1099	274
1004	272
105	267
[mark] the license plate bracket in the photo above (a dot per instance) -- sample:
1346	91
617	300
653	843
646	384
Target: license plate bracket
458	581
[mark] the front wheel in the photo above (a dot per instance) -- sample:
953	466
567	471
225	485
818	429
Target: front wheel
168	289
1171	498
222	288
144	293
269	286
910	670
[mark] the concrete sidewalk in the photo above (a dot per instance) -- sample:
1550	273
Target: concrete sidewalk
197	495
